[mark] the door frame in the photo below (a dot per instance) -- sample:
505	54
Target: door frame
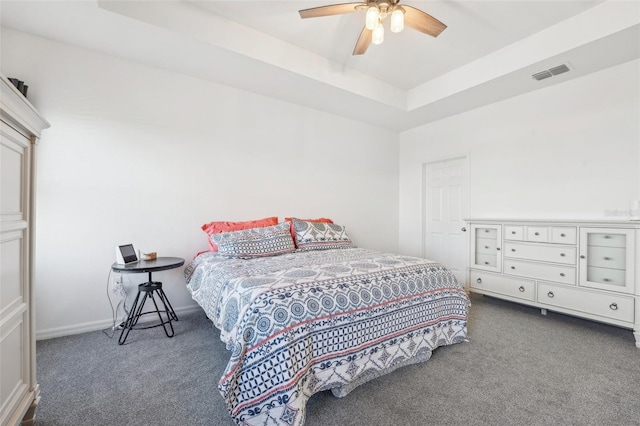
423	186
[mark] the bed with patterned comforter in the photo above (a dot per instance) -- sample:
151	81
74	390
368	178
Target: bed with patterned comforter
305	322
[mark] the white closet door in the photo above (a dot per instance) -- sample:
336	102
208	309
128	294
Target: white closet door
14	270
446	204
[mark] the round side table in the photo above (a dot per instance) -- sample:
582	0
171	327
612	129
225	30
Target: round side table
149	290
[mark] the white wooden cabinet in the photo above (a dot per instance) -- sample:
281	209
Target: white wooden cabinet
20	127
485	247
607	259
581	268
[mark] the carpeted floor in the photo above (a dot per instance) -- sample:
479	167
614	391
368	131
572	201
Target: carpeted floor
518	368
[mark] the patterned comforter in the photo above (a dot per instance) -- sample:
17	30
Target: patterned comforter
304	322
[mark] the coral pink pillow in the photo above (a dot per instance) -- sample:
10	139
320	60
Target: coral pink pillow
219	227
292	229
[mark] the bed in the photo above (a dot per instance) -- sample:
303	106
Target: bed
306	321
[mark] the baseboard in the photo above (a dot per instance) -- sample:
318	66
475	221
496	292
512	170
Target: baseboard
86	327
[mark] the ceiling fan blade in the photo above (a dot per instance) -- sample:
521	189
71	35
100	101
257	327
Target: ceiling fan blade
363	41
334	9
421	21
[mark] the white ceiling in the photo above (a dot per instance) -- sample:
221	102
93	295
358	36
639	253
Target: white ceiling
487	53
407	59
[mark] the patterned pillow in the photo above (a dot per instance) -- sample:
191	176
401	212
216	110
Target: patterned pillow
293	231
320	236
255	242
218	227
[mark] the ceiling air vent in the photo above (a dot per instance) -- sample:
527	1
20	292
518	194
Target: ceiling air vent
542	75
559	69
550	72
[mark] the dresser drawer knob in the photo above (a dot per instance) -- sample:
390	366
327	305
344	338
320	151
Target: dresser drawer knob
536	233
498	248
582	256
561	254
479	280
607	258
521	288
513	267
486	230
486	263
562	274
613	306
486	247
513	232
606	280
550	294
463	229
606	237
563	235
513	250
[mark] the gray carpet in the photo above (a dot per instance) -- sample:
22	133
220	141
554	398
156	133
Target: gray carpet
518	368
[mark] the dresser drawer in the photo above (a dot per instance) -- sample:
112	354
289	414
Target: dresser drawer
546	253
606	239
612	277
540	271
486	233
607	257
601	304
486	245
509	286
486	260
515	233
539	234
564	235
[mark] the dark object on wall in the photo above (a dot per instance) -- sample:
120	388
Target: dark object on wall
20	86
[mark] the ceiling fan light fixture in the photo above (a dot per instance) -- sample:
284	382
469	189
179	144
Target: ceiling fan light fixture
372	18
378	34
397	20
376	12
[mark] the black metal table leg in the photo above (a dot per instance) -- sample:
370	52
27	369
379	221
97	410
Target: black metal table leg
163	322
149	289
128	324
167	304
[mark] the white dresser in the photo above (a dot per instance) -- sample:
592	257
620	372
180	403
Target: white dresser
20	127
582	268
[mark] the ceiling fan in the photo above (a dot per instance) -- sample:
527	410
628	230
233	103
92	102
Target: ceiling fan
377	12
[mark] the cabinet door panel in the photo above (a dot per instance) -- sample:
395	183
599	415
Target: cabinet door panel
486	246
614	277
11	269
13	174
606	239
484	232
13	373
607	257
486	260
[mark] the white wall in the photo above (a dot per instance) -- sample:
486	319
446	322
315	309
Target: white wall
139	154
570	151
